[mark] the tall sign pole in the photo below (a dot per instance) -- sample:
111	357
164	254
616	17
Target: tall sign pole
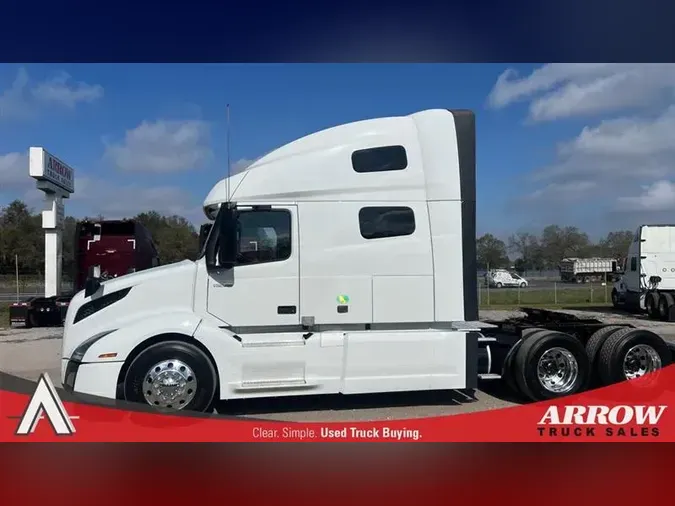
57	181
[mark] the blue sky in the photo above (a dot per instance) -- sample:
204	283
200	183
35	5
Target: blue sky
556	143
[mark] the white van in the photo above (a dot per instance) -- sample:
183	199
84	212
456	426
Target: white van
501	278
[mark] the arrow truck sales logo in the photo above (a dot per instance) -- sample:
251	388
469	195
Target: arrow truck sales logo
46	402
591	421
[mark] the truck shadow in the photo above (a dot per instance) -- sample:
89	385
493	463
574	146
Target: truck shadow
606	310
500	390
345	402
364	401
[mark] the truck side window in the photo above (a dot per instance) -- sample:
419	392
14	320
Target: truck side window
379	222
380	159
263	236
633	264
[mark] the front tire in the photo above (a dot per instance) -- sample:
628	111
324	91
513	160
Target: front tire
615	299
172	375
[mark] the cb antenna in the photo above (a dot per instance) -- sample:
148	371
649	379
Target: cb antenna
228	153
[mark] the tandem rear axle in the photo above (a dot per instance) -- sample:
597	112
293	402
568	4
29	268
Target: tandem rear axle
549	354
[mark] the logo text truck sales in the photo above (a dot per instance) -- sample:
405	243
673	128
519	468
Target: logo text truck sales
589	421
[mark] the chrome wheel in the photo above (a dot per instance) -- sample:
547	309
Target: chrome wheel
558	370
169	384
640	360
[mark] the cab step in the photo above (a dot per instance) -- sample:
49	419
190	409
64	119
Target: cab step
490	376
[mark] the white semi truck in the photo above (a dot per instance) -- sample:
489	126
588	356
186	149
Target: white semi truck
343	262
648	281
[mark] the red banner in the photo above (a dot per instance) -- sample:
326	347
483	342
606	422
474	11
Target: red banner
636	411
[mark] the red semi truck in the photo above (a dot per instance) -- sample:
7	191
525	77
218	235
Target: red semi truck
108	248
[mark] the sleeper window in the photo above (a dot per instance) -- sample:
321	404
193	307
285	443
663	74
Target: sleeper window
380	222
382	159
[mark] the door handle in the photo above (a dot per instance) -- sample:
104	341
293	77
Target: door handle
287	309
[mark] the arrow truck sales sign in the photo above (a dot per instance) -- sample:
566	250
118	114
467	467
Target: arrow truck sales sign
46	167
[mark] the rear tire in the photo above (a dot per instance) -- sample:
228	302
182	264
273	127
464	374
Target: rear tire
509	371
32	320
593	347
498	285
631	353
172	375
651	306
665	303
551	365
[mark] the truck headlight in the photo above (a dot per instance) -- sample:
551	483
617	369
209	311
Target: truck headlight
81	350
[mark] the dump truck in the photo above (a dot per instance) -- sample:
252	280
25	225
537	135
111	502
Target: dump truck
589	270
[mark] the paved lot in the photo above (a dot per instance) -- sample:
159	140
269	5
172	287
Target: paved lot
28	353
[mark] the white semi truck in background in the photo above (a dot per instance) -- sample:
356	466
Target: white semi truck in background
648	281
341	263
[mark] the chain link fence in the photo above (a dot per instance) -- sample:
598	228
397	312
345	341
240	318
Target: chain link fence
540	292
546	293
13	288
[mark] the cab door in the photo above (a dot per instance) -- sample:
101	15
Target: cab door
258	301
262	290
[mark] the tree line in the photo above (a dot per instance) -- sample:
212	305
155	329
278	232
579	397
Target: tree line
545	250
176	238
22	238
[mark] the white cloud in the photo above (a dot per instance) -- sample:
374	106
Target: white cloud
126	200
563	90
24	99
16	183
13	101
618	150
241	165
14	171
61	90
628	145
566	192
162	146
659	196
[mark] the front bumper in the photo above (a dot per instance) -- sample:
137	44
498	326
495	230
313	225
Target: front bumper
99	378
